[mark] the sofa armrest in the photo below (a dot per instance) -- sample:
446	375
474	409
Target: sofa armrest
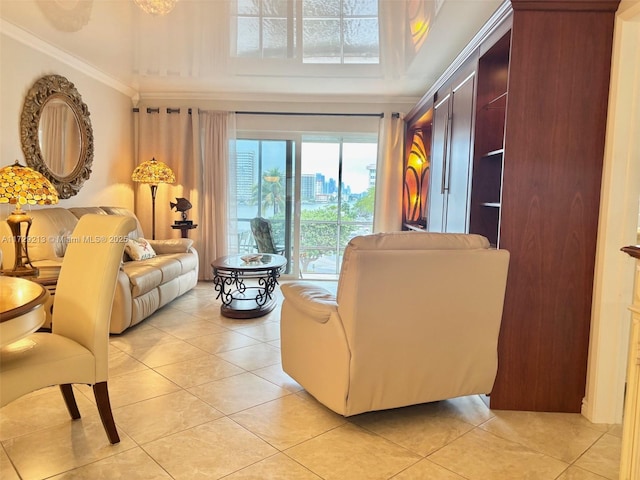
122	308
173	245
316	302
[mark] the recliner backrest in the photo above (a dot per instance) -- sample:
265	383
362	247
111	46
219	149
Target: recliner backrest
437	294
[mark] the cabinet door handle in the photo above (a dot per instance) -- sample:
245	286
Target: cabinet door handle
444	184
447	185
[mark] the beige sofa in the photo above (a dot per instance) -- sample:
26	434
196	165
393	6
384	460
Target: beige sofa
415	319
143	286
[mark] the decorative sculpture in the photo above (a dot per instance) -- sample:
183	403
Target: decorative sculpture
181	205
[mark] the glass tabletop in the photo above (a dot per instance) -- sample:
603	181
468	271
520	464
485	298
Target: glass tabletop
250	262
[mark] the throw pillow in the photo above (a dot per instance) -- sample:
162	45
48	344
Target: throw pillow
139	249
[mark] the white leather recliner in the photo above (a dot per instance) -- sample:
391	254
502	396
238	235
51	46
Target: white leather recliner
416	319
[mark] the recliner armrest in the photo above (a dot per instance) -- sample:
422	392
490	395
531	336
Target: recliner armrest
316	302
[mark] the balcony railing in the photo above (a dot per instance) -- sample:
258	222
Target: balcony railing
321	247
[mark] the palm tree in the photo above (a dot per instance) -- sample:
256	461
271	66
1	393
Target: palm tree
272	190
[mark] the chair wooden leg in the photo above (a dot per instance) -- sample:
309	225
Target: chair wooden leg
70	400
104	408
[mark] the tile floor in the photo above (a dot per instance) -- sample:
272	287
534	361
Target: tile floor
199	396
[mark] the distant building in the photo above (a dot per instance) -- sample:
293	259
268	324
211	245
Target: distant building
372	175
245	175
332	186
320	184
307	186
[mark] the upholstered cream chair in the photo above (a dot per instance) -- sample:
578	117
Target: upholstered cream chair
415	319
76	351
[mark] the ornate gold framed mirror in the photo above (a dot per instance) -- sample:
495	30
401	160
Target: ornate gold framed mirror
56	134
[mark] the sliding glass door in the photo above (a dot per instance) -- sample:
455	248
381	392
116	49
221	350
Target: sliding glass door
336	197
317	191
263	167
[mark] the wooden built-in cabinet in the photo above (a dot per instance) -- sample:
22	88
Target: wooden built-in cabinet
535	142
452	137
488	151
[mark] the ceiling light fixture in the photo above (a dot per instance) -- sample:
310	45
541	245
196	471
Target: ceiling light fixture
156	7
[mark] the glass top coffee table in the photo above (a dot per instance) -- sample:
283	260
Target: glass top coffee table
251	299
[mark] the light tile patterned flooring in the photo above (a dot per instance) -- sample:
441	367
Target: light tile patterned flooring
199	396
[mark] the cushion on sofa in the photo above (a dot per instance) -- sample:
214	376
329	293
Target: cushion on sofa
50	228
137	233
143	277
139	249
169	267
187	262
80	211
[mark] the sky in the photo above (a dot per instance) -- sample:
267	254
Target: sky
323	158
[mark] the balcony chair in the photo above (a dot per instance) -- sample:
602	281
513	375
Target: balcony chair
76	350
263	235
415	319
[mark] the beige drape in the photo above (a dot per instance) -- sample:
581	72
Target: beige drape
388	210
171	138
218	139
196	147
59	137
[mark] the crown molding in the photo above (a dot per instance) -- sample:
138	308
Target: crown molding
276	98
30	40
567	5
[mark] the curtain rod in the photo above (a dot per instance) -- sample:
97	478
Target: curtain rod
311	114
157	110
381	115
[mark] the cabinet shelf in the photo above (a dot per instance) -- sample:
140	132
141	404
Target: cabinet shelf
494	153
415	227
495	103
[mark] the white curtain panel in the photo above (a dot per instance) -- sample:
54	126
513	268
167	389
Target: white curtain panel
52	135
198	147
217	199
387	216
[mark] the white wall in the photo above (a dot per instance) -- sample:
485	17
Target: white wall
613	282
110	114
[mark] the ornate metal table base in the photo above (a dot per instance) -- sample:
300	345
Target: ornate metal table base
240	300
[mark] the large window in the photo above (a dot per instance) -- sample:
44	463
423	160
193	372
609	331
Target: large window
309	31
316	190
336	197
